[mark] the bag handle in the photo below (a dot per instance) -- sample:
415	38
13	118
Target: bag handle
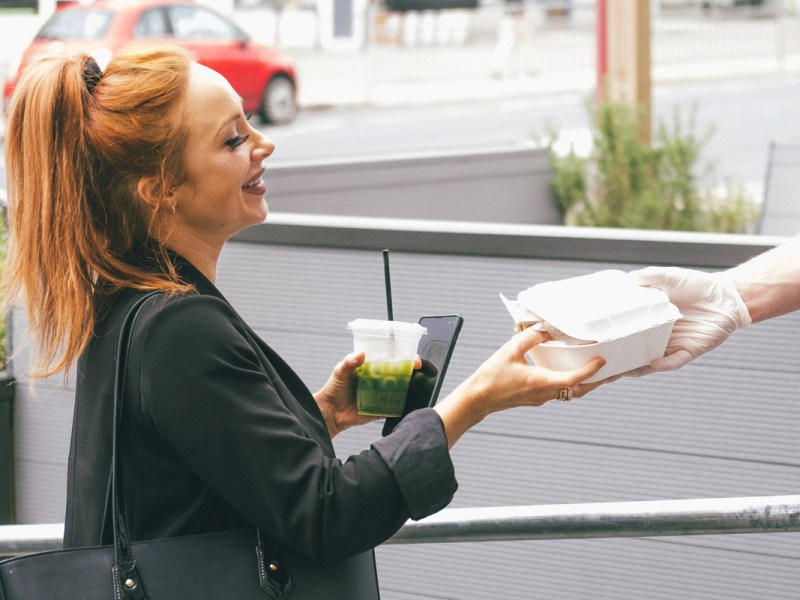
126	578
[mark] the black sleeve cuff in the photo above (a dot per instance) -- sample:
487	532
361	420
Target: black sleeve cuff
418	456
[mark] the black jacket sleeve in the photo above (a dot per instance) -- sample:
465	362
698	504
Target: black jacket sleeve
207	395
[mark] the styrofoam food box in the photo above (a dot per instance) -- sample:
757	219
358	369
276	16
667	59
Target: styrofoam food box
607	313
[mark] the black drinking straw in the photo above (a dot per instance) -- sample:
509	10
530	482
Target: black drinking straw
388	280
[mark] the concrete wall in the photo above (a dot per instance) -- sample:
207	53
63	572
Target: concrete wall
727	425
495	185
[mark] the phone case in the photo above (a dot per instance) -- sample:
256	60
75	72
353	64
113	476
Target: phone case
423	391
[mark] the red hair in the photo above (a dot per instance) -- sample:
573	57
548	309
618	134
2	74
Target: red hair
76	149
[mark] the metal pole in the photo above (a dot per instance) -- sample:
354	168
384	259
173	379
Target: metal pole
609	519
602	49
27	539
762	514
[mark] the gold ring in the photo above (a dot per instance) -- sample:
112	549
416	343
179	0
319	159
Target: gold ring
565	394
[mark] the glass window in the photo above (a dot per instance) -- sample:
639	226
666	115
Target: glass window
196	23
77	24
19	7
152	23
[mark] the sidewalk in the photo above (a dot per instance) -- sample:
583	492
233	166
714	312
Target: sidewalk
422	58
384	76
563	61
415	76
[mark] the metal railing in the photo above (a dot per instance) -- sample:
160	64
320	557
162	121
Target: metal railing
759	514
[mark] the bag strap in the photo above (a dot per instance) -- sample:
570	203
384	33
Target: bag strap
127	580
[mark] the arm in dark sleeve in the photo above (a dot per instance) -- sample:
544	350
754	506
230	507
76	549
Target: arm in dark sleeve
207	394
417	453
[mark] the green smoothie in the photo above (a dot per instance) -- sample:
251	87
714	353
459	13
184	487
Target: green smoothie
382	388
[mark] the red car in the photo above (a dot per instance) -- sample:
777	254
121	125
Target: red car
263	77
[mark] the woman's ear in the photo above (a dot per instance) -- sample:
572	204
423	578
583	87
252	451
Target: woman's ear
151	191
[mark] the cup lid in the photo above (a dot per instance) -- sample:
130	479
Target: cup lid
379	326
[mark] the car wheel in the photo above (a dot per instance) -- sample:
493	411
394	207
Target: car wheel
279	101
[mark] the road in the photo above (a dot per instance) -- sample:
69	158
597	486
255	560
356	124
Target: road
745	117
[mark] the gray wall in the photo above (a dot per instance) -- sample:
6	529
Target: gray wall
724	426
430	186
780	211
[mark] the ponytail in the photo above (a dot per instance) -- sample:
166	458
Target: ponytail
77	143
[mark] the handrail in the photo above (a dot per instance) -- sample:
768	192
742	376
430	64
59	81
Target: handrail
16	540
758	514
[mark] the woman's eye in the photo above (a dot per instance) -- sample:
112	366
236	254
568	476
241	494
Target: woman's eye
237	141
248	116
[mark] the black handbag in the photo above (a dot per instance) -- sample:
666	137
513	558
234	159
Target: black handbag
226	565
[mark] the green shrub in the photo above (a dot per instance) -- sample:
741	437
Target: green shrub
627	183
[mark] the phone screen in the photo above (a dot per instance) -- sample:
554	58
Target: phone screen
435	348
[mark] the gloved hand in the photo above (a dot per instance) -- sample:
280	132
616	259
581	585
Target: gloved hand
712	310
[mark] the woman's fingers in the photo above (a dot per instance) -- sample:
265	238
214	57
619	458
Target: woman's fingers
349	364
510	381
584	388
571	385
527	339
589	369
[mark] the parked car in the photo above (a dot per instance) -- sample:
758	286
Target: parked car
262	76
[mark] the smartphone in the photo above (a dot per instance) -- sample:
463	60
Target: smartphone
435	349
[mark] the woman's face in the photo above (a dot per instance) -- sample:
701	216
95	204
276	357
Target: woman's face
223	190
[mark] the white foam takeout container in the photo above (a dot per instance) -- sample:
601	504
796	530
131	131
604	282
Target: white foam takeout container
607	313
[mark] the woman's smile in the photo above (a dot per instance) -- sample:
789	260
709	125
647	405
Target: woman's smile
256	185
224	190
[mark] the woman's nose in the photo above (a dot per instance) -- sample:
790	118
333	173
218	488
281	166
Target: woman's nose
263	147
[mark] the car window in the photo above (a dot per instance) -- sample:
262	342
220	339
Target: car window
152	23
197	23
77	24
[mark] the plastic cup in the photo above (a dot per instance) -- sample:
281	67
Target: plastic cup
390	348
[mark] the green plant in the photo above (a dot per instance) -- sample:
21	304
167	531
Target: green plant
627	183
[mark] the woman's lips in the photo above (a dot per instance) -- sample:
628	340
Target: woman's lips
256	185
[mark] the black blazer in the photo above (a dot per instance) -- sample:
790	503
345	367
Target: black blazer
218	433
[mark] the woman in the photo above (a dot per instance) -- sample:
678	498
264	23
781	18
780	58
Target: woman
132	180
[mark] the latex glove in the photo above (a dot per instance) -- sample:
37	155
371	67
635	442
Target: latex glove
712	310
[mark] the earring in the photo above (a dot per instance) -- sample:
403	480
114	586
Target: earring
171	209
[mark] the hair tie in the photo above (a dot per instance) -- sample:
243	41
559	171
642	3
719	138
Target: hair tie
91	74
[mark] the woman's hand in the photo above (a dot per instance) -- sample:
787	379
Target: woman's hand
506	380
337	398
